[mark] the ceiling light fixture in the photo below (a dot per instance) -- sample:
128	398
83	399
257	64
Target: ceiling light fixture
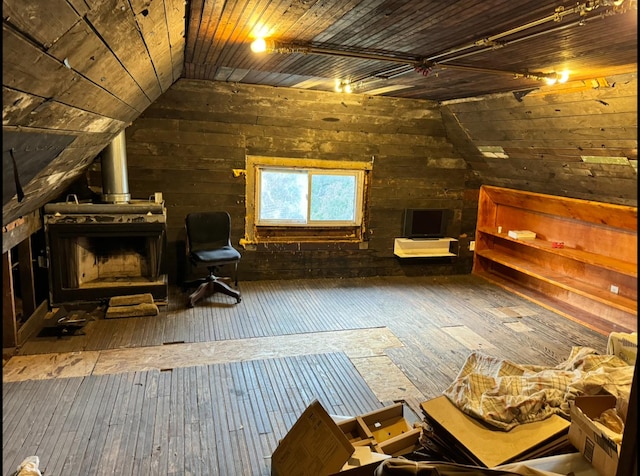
259	45
553	78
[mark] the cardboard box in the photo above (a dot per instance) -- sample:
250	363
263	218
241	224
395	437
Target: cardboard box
623	345
391	429
386	423
357	432
363	462
316	446
403	444
596	447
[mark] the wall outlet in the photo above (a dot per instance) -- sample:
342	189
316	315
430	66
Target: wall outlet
472	245
614	289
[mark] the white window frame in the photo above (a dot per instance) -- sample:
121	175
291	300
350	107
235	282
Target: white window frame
278	230
310	172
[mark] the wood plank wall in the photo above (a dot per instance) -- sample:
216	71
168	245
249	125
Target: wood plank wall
188	142
545	133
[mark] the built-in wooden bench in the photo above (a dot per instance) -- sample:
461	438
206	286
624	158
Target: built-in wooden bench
591	278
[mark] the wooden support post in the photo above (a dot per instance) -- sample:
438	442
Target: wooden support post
27	284
9	323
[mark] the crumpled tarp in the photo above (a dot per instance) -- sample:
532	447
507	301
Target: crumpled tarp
505	394
29	467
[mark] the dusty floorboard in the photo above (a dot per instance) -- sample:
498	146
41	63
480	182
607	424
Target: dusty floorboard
210	390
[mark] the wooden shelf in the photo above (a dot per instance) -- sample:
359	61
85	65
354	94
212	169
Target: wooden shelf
562	281
424	247
588	319
599	255
613	264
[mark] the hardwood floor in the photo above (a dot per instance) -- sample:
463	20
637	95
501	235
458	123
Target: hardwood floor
210	390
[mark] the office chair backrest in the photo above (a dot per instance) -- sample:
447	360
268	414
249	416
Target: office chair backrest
208	230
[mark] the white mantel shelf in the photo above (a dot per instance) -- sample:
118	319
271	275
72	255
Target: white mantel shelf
424	247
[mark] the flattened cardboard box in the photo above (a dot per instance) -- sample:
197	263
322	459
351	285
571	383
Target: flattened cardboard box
491	447
596	447
316	446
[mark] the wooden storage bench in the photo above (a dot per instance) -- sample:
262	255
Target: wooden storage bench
591	278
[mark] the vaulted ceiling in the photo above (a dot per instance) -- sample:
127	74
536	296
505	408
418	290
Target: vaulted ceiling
77	72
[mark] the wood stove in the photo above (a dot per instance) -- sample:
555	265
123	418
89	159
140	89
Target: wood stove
100	250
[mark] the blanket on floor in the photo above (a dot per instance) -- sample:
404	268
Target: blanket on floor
505	394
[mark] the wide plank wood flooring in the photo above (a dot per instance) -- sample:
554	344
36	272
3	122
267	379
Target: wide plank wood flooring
211	390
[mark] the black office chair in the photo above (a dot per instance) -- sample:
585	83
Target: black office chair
209	243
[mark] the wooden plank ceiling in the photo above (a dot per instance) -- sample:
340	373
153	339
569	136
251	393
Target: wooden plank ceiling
429	49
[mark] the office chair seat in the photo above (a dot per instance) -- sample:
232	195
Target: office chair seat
224	255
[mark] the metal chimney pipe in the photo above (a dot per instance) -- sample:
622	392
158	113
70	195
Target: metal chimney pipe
115	182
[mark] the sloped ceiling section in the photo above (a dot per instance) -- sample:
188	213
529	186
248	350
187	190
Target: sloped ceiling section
578	139
76	73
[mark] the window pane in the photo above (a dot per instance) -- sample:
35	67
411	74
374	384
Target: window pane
283	196
333	197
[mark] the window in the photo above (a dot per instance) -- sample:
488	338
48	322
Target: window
305	199
312	197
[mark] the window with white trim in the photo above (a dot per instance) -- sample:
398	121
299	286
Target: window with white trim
305	199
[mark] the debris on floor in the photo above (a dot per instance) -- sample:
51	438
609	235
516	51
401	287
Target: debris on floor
135	305
65	322
29	467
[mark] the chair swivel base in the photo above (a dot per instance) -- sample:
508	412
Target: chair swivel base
210	286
